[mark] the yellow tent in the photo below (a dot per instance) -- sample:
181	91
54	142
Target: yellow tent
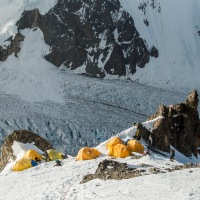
87	153
135	145
23	164
54	155
112	142
120	151
32	154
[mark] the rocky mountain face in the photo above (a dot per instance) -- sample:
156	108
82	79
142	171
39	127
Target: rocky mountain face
22	136
179	127
13	48
97	36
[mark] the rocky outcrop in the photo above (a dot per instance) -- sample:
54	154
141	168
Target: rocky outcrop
109	169
22	136
154	52
178	126
13	48
97	35
149	4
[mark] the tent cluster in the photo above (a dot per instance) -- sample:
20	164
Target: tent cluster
118	149
32	157
115	147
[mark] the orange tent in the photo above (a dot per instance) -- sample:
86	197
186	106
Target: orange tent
135	145
96	152
87	153
120	151
112	142
33	155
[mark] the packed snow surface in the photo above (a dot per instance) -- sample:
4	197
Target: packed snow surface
49	182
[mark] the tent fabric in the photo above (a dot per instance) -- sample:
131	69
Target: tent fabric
87	153
113	141
54	155
32	154
120	151
96	152
22	164
34	163
136	146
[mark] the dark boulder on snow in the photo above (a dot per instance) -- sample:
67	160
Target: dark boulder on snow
22	136
109	169
178	125
154	52
97	35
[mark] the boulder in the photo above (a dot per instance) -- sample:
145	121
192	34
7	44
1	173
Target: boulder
109	169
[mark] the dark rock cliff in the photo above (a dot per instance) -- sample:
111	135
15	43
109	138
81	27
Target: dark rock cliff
97	35
178	126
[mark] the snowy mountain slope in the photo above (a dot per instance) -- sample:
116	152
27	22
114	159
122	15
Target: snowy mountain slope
46	181
10	11
174	29
174	34
72	111
67	109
